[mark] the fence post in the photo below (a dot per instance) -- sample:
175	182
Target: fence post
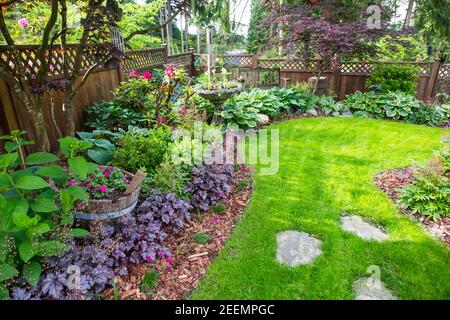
192	67
433	79
336	77
121	69
254	69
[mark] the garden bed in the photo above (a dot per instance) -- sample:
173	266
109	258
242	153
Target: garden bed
392	181
190	259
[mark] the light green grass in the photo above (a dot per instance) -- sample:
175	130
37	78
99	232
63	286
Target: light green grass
327	167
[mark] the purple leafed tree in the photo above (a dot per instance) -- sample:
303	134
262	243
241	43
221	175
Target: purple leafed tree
318	40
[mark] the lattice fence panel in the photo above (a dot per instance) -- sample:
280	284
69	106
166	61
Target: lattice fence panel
444	72
181	60
238	60
31	63
358	67
424	68
144	59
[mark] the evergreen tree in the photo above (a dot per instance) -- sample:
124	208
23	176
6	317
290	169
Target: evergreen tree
257	35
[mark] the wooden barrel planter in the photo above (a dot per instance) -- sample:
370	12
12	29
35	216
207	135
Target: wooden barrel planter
107	209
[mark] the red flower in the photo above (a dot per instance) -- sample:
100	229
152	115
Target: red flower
134	74
169	71
147	75
161	120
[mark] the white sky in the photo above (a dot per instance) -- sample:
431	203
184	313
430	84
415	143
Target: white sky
240	12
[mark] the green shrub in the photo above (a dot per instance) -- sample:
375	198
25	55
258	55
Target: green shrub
135	94
138	151
393	105
170	177
394	77
429	195
433	116
113	116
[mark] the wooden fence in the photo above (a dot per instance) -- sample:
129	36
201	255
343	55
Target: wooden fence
342	78
99	85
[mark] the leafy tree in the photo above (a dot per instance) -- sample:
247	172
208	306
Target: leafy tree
30	85
310	35
257	36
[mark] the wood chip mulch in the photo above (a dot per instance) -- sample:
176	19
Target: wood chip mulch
190	260
391	181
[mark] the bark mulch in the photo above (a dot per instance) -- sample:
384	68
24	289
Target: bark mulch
391	181
190	260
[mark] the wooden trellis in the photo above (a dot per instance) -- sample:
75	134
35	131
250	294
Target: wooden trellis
145	59
29	58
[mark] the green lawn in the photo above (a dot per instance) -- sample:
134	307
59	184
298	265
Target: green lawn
327	167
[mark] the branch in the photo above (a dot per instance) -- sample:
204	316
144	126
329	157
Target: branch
85	77
45	39
159	26
83	41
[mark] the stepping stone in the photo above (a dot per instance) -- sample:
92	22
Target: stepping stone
295	248
371	289
364	230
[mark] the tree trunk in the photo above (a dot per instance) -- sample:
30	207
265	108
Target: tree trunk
161	20
198	40
408	16
68	117
169	29
37	116
181	32
186	31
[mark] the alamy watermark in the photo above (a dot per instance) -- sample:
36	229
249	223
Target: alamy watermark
206	145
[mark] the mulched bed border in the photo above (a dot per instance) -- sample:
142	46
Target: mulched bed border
190	260
391	181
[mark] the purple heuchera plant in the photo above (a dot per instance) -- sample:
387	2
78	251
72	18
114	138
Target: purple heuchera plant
165	208
132	239
209	185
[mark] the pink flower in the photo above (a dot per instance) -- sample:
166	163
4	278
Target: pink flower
167	267
103	189
169	71
134	74
161	120
72	182
126	181
111	169
100	167
161	254
23	22
106	174
169	260
88	184
149	258
182	111
147	75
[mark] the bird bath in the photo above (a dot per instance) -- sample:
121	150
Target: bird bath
218	96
